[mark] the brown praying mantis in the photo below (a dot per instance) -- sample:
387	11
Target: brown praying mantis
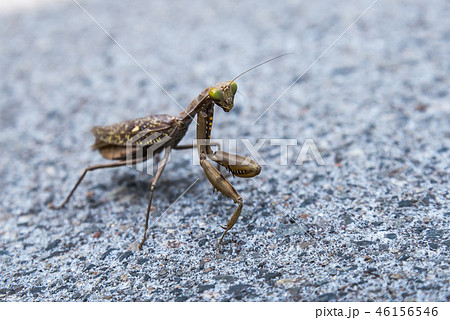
134	141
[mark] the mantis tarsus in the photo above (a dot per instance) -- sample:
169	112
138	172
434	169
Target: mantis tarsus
134	141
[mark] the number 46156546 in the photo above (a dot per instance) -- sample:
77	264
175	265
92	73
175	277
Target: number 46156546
410	311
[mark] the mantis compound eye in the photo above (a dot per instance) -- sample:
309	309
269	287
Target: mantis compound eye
215	94
233	87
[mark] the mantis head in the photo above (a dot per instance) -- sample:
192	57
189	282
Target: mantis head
222	94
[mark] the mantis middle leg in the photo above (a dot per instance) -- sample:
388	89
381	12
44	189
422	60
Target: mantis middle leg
161	167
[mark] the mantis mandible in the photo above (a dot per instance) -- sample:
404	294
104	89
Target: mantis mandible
134	141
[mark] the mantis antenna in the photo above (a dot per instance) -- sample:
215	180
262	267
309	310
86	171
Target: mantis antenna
258	65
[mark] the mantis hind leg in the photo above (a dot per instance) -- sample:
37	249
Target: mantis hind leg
92	168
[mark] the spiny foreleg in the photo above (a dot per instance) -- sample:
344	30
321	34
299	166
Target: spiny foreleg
239	166
220	183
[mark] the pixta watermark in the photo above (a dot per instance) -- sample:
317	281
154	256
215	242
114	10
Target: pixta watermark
145	147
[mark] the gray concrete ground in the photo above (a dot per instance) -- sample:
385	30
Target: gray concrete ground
372	224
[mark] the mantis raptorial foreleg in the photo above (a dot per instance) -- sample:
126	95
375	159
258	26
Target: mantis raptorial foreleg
238	165
220	183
